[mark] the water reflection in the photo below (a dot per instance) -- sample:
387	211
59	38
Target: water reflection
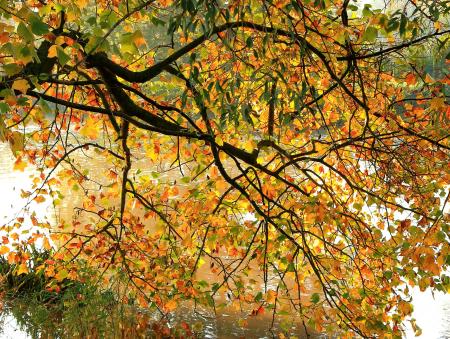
21	320
433	315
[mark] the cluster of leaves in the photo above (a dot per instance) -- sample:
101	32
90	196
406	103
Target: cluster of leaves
301	140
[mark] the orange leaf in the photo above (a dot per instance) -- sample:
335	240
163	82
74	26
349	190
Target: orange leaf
47	245
39	199
410	79
171	305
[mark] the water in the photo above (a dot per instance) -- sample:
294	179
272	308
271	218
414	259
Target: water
432	314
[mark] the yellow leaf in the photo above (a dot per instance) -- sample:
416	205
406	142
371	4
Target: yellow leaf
62	274
22	269
21	85
187	242
90	129
249	145
20	164
405	308
218	141
58	41
271	296
221	185
4	249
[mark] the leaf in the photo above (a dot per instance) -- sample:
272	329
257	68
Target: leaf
63	58
405	308
315	298
367	12
429	79
170	305
21	85
38	27
11	69
52	51
411	79
218	140
259	297
61	275
271	296
19	164
370	34
58	52
46	244
90	129
249	42
437	104
3	130
4	249
16	142
24	32
39	199
138	39
82	3
22	269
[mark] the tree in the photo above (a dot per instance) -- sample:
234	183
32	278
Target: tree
301	138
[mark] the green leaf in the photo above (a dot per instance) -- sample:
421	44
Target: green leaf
249	42
44	106
258	297
403	22
291	267
315	298
392	25
63	58
370	34
4	107
203	283
210	300
12	69
215	287
24	32
38	27
367	11
185	180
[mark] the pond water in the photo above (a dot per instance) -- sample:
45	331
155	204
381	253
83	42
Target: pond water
432	313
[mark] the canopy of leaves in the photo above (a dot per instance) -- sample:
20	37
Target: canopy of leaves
306	141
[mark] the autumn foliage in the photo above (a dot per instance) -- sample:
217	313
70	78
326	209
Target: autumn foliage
296	150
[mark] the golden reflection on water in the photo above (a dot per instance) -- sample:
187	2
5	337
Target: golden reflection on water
233	320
